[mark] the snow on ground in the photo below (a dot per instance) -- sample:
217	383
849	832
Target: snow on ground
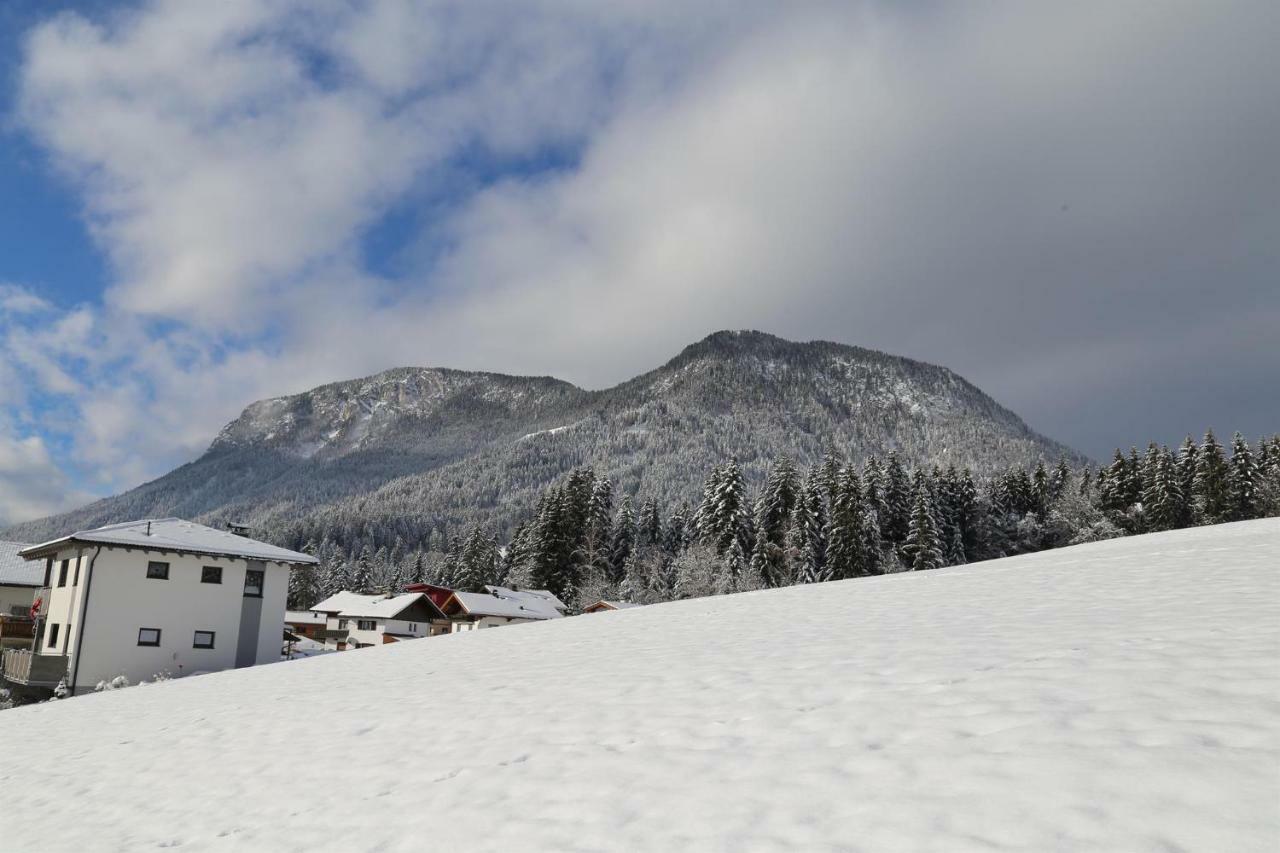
1115	696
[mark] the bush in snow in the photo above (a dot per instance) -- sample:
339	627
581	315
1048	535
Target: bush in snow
113	684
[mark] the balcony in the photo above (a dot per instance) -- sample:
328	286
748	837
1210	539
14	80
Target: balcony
21	666
331	634
17	631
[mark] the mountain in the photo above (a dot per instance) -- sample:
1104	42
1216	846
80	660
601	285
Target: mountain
1112	696
413	453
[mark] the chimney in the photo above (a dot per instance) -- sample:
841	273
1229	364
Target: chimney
239	528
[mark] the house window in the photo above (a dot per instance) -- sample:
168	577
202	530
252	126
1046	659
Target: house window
211	574
203	640
365	625
62	572
253	583
342	624
158	571
413	628
53	636
148	636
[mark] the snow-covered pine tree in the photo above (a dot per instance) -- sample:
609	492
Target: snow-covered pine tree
1162	501
1040	490
844	528
676	539
649	524
362	576
772	519
922	549
599	533
829	476
871	552
477	562
624	539
807	568
733	568
1242	482
896	516
1211	486
1185	463
724	516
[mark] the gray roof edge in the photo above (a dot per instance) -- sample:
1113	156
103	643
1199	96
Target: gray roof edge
42	549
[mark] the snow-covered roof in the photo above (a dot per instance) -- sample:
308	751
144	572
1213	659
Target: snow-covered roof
488	604
303	617
612	605
15	571
526	595
357	605
177	535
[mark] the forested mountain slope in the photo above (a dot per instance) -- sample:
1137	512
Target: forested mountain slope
416	454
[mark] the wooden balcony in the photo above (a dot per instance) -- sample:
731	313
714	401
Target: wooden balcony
17	631
330	634
21	666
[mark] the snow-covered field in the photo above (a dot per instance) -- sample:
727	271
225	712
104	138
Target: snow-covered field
1116	696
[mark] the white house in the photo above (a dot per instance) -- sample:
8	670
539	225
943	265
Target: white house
498	606
19	580
155	596
355	620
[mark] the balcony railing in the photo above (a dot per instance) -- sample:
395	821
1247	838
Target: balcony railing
332	634
22	666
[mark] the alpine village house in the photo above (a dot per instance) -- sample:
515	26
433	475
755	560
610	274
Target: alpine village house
142	599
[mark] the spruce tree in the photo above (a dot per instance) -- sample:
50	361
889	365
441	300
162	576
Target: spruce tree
844	529
362	577
1211	486
624	539
1162	501
772	518
1188	454
896	517
922	548
1242	482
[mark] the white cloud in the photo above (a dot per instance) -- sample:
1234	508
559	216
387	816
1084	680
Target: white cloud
31	484
982	186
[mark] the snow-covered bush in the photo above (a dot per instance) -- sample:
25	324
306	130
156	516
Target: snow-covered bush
112	684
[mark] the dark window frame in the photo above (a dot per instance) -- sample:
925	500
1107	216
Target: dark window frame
156	644
63	565
361	623
343	623
205	574
195	639
53	635
154	565
261	575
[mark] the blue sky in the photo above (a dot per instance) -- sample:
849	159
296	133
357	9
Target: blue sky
215	203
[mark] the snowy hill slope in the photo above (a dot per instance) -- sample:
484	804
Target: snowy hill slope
1120	695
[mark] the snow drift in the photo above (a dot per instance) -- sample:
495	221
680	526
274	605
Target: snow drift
1115	696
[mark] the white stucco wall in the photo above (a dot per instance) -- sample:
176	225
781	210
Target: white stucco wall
374	637
123	599
16	596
